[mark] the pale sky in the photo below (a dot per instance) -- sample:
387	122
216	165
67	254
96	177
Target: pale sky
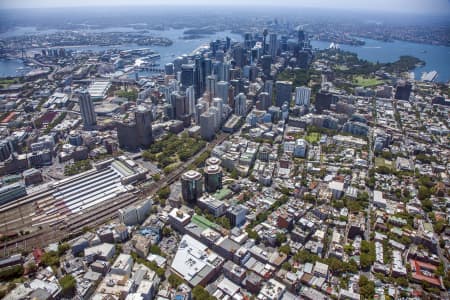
406	6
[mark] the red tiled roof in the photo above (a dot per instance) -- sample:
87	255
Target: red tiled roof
37	254
419	275
9	117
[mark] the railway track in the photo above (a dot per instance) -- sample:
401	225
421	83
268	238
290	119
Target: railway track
98	214
27	200
74	222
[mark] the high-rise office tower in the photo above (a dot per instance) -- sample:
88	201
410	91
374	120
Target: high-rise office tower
206	67
266	61
138	132
265	33
220	55
324	101
238	54
284	43
302	95
191	186
211	85
248	39
236	85
265	100
255	55
207	125
240	104
246	71
218	103
225	71
284	92
199	109
200	74
180	104
213	46
304	59
168	111
190	94
403	91
187	75
86	108
5	149
169	89
169	69
301	37
253	73
143	118
217	69
273	44
268	88
222	88
213	178
177	64
217	119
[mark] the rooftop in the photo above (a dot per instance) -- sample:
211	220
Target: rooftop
193	259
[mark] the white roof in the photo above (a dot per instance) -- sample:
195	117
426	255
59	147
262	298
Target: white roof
321	268
181	218
134	296
336	185
378	197
159	260
228	287
102	249
192	256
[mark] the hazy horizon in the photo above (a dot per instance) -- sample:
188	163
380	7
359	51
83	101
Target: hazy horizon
417	7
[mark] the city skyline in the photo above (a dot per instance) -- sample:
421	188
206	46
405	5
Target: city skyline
225	150
437	7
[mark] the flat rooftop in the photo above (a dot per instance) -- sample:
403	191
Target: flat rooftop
194	261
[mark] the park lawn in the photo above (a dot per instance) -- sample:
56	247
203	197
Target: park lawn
313	137
4	83
366	82
379	162
171	167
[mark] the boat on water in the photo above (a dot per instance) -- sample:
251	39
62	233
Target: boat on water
334	46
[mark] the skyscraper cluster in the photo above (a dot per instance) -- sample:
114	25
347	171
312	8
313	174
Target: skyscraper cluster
209	85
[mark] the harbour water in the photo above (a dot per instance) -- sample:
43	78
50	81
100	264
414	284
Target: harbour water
12	67
435	57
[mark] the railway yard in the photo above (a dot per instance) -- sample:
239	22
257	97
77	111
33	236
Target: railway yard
67	206
64	208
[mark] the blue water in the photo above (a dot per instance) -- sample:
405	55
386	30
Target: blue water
12	67
168	54
436	57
